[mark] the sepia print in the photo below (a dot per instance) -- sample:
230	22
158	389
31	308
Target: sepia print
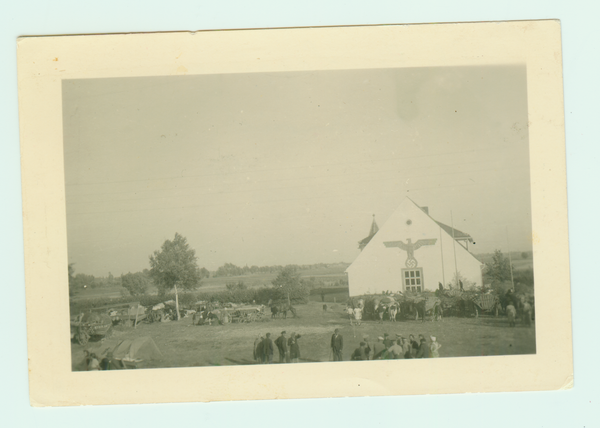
224	209
216	219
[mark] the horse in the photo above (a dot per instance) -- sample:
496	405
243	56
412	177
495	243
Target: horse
282	308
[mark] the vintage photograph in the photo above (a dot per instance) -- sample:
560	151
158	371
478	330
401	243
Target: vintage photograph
295	213
298	217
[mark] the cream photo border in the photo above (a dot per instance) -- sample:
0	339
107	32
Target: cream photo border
43	62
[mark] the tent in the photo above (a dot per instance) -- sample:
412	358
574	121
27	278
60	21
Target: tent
136	352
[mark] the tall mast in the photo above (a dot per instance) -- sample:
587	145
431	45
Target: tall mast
512	280
454	249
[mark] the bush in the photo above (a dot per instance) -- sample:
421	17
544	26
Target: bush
231	286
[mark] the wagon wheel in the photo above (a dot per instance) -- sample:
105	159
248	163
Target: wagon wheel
82	337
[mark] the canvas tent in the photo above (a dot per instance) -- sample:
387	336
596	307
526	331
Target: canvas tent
412	252
131	353
138	350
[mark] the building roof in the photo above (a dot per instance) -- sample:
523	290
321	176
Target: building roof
374	229
458	235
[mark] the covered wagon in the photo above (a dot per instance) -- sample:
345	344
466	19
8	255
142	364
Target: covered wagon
90	325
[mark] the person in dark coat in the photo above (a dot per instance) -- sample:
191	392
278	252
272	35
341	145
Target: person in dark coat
414	346
359	353
282	347
379	349
406	347
294	348
423	351
337	344
367	346
109	363
268	349
258	349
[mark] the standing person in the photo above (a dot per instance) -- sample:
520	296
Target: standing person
378	349
337	344
406	348
282	347
387	341
414	346
86	359
359	353
395	351
350	313
434	348
322	295
358	315
94	363
511	313
294	348
527	314
258	349
367	346
393	312
108	363
268	349
380	312
423	351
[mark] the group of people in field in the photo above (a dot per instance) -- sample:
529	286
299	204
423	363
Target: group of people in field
355	311
511	310
287	347
387	348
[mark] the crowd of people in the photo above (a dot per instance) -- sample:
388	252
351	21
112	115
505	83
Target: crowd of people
287	347
385	348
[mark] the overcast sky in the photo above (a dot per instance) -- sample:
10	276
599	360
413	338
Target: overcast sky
281	168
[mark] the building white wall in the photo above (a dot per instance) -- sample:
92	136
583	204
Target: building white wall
379	268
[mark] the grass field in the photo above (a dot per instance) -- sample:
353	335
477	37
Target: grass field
328	276
185	345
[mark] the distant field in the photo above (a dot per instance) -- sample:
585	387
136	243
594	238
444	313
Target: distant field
329	276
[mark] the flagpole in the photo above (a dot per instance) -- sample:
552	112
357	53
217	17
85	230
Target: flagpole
442	254
512	281
454	249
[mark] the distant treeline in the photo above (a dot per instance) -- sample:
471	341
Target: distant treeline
229	269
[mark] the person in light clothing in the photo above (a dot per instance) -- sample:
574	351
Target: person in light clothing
434	347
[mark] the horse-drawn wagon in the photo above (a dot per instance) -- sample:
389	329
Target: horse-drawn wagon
129	314
247	314
88	325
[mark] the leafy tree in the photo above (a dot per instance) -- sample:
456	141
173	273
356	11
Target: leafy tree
524	255
136	283
204	273
175	265
499	269
288	285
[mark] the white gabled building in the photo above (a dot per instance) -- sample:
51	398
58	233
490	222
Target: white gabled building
412	252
